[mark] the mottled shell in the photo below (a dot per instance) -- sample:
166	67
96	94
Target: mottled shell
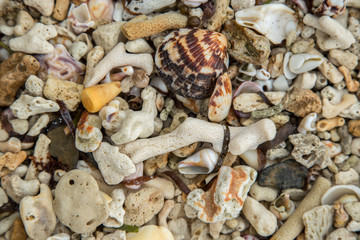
190	60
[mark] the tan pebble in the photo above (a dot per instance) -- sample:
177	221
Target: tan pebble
351	85
69	92
185	151
328	124
142	206
9	161
151	232
37	214
61	9
78	203
302	102
353	209
341	217
354	127
108	35
18	231
142	27
232	223
303	45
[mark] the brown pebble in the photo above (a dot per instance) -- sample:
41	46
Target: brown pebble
354	127
18	231
13	73
301	102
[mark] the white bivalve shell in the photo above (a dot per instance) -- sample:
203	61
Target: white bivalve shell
300	63
335	192
274	20
202	162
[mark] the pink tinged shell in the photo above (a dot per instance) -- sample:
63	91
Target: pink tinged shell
139	173
61	65
101	9
220	100
79	18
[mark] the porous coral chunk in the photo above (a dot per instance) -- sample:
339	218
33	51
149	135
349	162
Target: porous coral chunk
9	161
13	74
308	150
142	206
318	222
301	102
69	92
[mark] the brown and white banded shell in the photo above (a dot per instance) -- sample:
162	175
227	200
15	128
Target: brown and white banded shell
190	60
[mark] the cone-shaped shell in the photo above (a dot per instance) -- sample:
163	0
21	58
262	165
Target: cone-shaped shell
95	97
190	60
202	162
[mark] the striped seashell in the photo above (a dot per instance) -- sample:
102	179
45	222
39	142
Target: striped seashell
190	60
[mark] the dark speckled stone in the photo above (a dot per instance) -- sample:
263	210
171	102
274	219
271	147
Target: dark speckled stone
63	147
283	175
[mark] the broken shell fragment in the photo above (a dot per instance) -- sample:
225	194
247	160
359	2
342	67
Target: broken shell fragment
96	97
190	60
101	9
273	20
337	191
61	65
79	18
282	207
202	162
300	63
220	100
226	197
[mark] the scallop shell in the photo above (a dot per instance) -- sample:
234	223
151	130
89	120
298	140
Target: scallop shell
335	192
190	60
202	162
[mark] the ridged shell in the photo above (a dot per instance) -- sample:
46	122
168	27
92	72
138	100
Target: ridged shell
190	60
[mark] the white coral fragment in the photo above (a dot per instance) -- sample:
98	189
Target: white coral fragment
35	40
26	106
114	166
308	150
138	124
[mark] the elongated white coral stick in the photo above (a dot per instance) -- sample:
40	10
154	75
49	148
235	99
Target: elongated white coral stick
196	130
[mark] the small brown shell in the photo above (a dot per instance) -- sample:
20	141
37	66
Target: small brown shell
190	60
